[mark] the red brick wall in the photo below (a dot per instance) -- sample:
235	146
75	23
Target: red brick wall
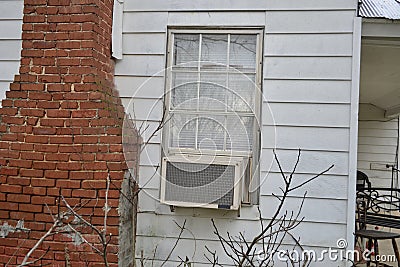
61	132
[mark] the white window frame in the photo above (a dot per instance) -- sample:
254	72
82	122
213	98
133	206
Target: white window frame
253	156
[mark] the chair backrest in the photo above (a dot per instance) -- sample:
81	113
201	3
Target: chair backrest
362	181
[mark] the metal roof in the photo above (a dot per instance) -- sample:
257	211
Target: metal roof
388	9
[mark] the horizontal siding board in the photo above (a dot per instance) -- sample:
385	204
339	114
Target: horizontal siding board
8	68
149	177
311	138
141	65
148	131
324	187
143	109
216	18
10	49
304	114
381	157
11	9
142	43
145	22
193	249
314	210
151	155
364	140
308	44
11	29
311	162
142	87
148	200
327	236
200	227
378	133
307	67
308	91
388	125
310	21
377	149
226	5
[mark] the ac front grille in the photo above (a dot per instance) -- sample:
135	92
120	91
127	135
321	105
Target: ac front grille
200	183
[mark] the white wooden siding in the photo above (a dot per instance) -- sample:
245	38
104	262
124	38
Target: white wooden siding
306	114
307	45
307	91
229	5
308	68
308	51
310	21
377	144
10	42
337	185
312	161
288	137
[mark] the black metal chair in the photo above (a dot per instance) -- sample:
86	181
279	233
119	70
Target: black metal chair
368	200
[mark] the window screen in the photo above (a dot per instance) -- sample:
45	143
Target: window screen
212	91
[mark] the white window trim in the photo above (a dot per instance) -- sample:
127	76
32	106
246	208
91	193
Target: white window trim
255	153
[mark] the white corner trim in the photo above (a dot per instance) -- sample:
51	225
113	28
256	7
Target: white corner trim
351	193
116	42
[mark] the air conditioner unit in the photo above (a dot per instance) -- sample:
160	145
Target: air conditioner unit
202	181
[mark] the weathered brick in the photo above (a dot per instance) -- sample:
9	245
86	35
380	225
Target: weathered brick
44	165
32	155
34	190
57	157
18	198
41	139
31	173
20	163
6	188
43	182
56	174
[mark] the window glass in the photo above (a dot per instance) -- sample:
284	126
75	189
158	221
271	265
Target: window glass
186	50
212	101
214	51
243	52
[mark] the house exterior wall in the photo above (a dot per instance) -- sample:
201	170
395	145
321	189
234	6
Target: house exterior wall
10	42
309	89
378	139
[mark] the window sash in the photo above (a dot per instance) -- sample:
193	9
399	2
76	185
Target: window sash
198	71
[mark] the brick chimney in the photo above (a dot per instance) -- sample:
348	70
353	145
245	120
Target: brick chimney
61	132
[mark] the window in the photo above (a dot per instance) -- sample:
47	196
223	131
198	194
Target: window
213	94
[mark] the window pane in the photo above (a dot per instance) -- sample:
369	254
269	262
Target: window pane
183	129
186	49
240	131
241	92
211	133
184	90
212	91
243	52
214	51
